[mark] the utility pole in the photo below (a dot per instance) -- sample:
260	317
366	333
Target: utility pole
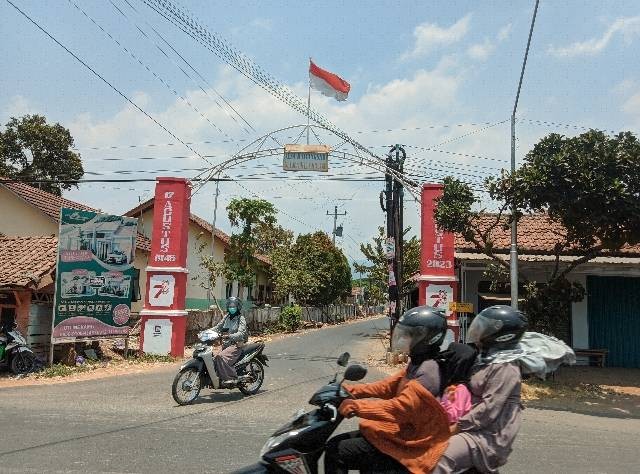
514	226
335	221
394	197
213	236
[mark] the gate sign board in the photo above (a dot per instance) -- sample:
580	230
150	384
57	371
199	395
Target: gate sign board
94	274
306	158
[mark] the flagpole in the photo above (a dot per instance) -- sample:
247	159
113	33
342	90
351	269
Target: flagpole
308	104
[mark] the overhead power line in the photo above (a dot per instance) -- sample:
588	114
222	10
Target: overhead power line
163	81
189	65
256	74
114	88
564	125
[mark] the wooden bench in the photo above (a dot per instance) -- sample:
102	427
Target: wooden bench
600	355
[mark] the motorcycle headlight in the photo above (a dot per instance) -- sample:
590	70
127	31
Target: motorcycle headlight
274	441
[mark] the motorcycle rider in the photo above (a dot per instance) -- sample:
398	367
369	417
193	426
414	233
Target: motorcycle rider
404	428
483	438
234	329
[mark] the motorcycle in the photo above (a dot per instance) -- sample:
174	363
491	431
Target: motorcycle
298	445
14	352
199	371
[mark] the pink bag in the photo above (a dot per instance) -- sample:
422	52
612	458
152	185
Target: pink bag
456	401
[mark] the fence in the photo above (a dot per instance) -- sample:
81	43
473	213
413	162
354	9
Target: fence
258	319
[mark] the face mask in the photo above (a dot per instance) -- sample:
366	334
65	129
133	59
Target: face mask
233	310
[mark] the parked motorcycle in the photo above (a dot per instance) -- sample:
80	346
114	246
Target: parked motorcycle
200	372
14	352
298	445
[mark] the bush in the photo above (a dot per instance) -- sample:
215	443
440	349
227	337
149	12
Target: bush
290	318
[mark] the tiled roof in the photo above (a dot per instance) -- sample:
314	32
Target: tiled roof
148	204
207	227
197	220
50	205
25	261
537	234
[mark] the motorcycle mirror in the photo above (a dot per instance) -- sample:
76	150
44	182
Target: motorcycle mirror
355	372
343	360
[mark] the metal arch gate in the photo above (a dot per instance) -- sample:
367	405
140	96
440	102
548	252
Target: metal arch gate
256	150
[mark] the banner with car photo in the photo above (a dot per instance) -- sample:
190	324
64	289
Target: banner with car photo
94	278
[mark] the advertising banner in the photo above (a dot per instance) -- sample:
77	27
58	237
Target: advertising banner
94	278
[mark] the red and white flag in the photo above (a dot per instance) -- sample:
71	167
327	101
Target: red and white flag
328	83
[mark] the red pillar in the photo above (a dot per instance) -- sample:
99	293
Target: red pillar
437	284
164	319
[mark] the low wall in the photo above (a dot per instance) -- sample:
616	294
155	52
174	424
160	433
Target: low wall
258	319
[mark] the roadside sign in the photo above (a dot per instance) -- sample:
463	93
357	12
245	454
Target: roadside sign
461	307
94	274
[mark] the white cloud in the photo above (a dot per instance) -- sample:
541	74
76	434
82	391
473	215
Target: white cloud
624	87
429	36
627	27
504	32
263	23
632	105
481	51
17	107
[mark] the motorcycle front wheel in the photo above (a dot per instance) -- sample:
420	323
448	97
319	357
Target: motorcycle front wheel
23	363
256	370
186	386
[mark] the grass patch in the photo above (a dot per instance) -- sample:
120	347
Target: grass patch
61	370
150	358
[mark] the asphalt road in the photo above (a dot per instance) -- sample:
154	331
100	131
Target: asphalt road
131	424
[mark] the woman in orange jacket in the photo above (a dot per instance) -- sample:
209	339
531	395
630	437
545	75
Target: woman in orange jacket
403	426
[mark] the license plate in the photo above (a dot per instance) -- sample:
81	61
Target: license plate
292	464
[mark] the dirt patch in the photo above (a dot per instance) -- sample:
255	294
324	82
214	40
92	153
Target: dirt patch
589	390
97	372
611	392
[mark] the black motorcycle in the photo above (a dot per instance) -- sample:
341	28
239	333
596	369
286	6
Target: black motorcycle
14	351
298	445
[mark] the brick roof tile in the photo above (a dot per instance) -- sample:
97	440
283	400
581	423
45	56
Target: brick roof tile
24	261
50	204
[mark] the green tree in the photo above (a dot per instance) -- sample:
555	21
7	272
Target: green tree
31	149
313	271
588	184
272	237
377	267
247	214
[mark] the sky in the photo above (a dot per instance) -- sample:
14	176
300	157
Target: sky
439	77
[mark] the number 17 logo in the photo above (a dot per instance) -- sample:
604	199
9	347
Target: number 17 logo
161	290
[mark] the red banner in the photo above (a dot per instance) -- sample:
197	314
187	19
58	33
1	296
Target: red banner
437	250
170	223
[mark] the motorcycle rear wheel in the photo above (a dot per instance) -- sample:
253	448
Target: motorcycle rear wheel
254	367
186	386
23	363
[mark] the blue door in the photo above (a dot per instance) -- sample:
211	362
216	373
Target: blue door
614	318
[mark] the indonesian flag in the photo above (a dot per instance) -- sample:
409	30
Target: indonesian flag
328	83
